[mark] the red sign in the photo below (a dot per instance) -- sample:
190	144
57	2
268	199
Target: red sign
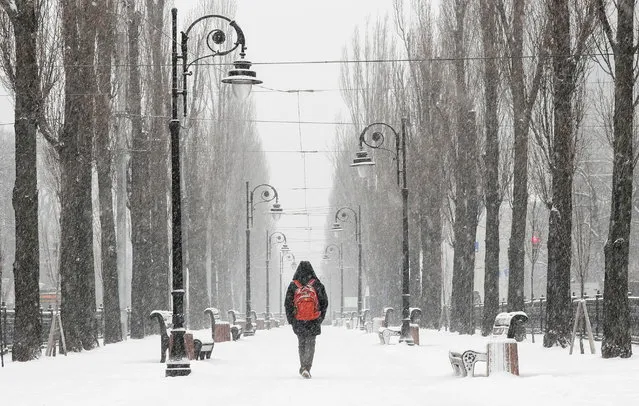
535	240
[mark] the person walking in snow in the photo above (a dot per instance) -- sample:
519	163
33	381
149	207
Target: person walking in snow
306	303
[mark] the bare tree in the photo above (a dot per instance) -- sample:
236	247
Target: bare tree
104	165
75	149
155	80
466	187
567	68
492	194
523	96
140	184
617	340
24	78
425	178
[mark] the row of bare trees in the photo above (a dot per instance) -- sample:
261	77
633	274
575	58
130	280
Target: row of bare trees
89	80
501	121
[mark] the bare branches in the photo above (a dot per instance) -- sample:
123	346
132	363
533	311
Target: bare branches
10	8
603	19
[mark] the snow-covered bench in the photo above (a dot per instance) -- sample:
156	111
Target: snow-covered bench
386	331
364	322
501	351
202	343
164	319
236	325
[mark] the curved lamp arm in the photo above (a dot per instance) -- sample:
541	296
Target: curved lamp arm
267	194
276	237
331	248
343	214
376	139
213	38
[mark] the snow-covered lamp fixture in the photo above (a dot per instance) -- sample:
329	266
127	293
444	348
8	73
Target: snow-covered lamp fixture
336	229
242	78
276	211
362	162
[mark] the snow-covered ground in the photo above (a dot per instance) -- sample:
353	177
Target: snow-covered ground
350	368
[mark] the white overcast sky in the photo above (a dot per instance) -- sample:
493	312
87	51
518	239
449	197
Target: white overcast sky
301	30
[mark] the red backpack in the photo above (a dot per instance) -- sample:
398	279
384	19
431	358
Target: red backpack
305	301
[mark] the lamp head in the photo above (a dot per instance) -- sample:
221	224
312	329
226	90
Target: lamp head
284	248
362	162
242	78
337	229
276	211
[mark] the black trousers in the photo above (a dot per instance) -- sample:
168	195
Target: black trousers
306	347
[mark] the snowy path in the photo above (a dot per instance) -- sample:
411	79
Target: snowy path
350	368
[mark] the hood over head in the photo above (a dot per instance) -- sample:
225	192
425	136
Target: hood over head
304	272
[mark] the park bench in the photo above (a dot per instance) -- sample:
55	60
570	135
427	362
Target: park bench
202	344
350	319
236	325
385	332
364	321
272	321
198	347
258	322
501	351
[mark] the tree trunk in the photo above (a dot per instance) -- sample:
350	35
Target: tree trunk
26	268
158	162
520	164
431	238
415	285
616	324
196	258
140	186
76	219
559	310
466	205
111	298
491	163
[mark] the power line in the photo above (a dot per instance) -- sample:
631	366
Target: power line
349	61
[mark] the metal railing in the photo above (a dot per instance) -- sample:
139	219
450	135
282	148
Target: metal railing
7	318
536	311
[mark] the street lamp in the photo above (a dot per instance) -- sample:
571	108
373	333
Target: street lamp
363	163
331	249
267	194
290	256
278	238
342	215
178	364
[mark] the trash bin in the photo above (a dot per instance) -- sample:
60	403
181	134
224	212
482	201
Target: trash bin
414	332
503	356
222	331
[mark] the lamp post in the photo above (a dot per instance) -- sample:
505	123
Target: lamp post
343	214
362	163
178	364
267	194
285	255
330	249
278	238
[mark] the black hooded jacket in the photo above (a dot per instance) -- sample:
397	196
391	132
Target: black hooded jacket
304	274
